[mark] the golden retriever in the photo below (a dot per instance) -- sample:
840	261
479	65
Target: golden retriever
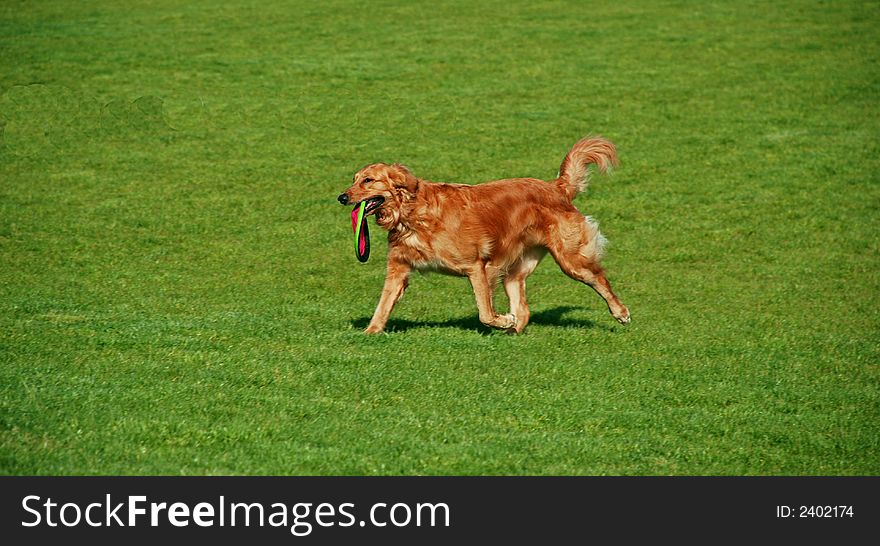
487	232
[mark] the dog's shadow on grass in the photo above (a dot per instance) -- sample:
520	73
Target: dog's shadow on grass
548	317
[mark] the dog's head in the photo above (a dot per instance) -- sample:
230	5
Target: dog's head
386	189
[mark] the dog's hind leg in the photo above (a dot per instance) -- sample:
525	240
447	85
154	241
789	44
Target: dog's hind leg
577	248
396	281
483	282
515	285
592	274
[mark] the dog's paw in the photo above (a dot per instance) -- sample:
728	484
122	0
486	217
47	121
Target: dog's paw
373	330
622	316
506	321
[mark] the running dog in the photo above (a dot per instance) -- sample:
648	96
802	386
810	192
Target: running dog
487	232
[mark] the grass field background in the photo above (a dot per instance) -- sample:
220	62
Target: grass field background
178	287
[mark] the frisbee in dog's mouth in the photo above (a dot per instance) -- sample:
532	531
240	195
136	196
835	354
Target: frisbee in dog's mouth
359	226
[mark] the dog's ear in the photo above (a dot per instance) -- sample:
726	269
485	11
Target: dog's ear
401	177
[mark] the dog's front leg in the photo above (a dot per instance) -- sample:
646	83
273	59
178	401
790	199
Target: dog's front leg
396	280
482	286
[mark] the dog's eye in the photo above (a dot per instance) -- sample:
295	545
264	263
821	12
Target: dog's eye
367	180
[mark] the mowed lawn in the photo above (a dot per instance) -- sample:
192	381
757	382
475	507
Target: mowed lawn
178	287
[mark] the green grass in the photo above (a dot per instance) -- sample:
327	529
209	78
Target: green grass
179	294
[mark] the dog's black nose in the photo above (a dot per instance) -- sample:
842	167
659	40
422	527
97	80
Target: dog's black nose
343	199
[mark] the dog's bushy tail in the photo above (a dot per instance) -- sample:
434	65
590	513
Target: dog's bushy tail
573	174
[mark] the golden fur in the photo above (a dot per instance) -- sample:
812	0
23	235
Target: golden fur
488	232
